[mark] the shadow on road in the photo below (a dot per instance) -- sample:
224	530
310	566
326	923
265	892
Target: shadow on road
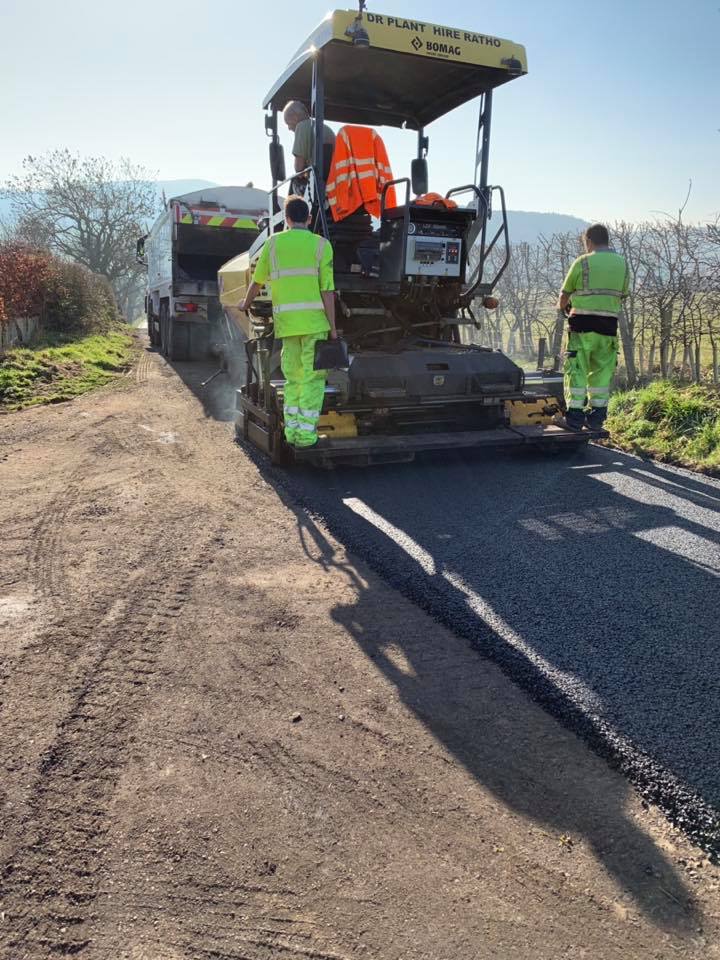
505	749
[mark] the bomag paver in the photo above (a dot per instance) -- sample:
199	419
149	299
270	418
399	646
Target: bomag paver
406	284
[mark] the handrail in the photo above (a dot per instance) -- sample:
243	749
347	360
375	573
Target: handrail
470	186
392	183
299	173
486	251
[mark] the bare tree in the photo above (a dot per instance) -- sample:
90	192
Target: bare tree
522	298
89	210
558	253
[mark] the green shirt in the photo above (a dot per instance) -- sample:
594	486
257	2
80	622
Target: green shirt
305	139
298	265
597	282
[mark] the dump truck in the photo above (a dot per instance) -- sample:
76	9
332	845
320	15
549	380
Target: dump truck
195	234
410	285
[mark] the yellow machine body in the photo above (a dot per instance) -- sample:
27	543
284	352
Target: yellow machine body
535	410
333	424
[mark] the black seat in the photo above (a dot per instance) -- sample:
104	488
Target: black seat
347	236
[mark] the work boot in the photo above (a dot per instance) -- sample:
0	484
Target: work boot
596	418
304	440
574	418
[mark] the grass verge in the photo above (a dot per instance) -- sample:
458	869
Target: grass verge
62	368
670	422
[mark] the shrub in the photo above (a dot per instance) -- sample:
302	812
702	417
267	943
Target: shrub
24	277
79	301
669	421
67	297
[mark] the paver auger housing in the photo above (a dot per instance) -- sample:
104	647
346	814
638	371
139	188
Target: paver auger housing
406	286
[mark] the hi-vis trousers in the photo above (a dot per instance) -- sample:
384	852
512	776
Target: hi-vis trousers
589	369
304	388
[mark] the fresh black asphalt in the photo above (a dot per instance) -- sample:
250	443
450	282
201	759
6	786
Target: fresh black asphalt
593	581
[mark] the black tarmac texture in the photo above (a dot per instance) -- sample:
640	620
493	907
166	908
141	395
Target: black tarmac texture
592	579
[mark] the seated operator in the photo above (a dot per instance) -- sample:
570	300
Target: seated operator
298	120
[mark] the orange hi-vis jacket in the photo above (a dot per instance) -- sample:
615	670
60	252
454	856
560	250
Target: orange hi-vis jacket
359	170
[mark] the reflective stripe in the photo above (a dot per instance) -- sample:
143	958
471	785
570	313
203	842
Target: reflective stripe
598	401
273	253
295	272
319	252
578	391
357	161
304	305
292	409
353	175
597	293
310	427
598	389
585	274
310	414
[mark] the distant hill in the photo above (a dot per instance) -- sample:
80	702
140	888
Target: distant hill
525	226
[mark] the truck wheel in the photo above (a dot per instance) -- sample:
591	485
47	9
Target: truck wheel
178	340
198	341
164	329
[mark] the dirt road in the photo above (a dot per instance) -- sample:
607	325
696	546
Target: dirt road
201	757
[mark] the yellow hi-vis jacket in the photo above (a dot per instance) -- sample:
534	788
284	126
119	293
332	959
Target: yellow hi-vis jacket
298	265
596	283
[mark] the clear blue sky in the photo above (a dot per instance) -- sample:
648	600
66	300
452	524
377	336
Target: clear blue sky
620	108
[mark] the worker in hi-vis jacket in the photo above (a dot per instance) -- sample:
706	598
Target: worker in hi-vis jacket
594	289
298	265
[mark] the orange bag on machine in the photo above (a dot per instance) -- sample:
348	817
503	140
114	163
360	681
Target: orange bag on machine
435	200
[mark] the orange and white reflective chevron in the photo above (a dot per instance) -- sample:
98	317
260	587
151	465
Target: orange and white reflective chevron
359	170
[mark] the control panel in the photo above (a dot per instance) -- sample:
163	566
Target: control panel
433	250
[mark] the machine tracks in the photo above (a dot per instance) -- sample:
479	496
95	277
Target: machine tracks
49	883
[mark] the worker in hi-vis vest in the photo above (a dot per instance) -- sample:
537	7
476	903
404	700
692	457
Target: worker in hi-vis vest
298	265
594	289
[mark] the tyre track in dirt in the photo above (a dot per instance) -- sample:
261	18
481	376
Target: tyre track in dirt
49	882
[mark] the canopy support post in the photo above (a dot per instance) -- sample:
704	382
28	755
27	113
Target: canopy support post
318	114
482	149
